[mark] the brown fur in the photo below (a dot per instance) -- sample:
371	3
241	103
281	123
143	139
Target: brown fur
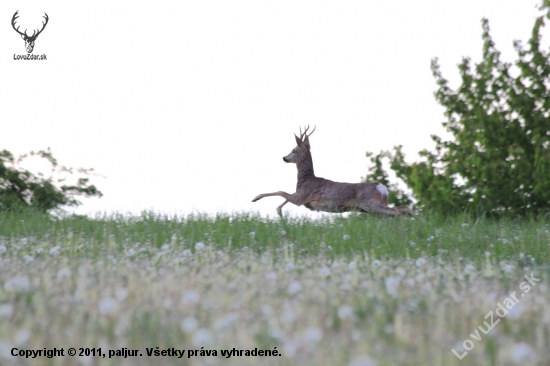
319	194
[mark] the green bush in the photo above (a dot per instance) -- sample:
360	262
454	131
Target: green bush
499	160
20	189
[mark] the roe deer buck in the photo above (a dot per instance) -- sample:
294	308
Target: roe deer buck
319	194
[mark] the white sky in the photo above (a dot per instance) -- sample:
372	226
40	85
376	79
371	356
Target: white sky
186	105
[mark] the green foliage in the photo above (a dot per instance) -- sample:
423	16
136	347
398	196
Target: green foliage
20	189
499	161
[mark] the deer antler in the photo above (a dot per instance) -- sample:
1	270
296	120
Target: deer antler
305	132
15	16
43	26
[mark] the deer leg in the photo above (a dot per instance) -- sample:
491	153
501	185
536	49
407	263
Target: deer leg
408	211
287	196
280	208
377	207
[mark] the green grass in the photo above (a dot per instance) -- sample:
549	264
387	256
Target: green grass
332	291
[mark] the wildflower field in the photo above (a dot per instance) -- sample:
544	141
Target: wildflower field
240	289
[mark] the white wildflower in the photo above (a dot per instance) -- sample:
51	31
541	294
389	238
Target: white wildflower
252	234
62	273
267	310
199	246
352	266
28	258
16	284
189	324
225	321
289	348
55	250
6	310
324	271
420	262
345	312
377	262
203	337
313	334
465	224
282	232
39	250
5	350
2	248
400	271
131	252
362	360
165	247
431	238
271	275
523	353
346	237
186	253
294	287
108	306
392	284
190	297
22	336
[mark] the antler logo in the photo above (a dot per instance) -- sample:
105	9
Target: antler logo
29	40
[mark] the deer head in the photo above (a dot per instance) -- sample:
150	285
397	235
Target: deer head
29	40
302	149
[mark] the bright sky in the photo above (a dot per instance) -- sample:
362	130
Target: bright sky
191	105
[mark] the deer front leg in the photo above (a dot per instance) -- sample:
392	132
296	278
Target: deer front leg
280	208
289	197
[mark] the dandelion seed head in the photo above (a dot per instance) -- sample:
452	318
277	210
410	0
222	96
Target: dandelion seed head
190	297
28	258
62	273
362	360
108	306
420	262
17	284
6	310
345	312
324	271
294	287
189	324
523	353
22	336
313	335
199	246
55	250
203	337
346	237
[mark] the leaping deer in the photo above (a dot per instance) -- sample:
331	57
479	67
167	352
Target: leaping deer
319	194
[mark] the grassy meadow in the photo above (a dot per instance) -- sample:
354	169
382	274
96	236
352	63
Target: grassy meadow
358	290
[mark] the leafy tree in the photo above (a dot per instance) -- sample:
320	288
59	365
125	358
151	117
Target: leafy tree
20	189
499	160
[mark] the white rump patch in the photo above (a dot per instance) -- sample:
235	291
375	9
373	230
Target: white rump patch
382	189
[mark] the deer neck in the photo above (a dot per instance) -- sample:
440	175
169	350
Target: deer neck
305	168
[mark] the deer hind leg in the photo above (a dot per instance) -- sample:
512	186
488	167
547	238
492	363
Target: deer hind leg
377	207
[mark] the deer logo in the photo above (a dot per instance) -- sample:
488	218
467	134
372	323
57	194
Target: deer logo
29	40
319	194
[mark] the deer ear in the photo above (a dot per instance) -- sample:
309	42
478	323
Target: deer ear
298	141
306	143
